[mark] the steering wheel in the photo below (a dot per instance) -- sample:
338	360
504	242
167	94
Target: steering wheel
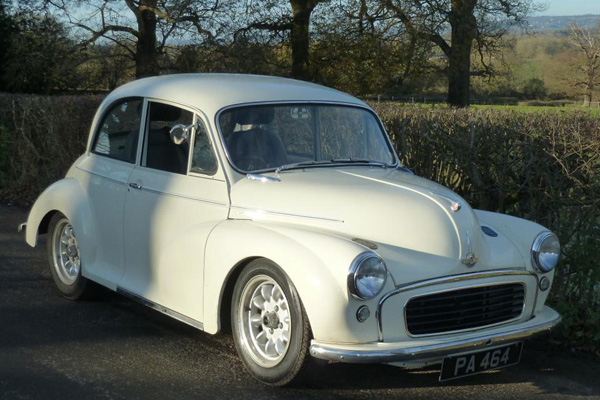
251	163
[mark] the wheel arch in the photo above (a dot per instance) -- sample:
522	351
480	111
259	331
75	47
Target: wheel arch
227	293
315	262
45	222
67	197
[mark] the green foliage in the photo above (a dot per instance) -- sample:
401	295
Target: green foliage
534	88
42	58
542	166
7	30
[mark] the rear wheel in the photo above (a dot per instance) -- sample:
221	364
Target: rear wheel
270	327
64	259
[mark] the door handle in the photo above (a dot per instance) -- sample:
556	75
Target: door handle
135	185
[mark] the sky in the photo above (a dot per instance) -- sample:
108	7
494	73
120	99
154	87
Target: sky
571	7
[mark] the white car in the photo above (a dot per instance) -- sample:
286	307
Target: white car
279	209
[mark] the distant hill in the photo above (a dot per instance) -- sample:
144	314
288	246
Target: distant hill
545	23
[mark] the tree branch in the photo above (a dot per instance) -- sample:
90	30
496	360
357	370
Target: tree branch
413	30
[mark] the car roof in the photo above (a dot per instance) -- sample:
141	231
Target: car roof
212	92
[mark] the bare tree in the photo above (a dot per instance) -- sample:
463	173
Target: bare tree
283	17
141	27
588	42
473	25
358	47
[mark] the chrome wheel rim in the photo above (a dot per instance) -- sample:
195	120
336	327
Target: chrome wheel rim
265	320
65	252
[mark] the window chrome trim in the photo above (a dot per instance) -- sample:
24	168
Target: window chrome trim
467	329
365	107
442	280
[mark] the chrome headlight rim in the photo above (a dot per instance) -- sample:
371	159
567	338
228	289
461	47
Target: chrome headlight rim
352	275
535	251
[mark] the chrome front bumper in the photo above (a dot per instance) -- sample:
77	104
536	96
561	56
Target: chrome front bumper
435	348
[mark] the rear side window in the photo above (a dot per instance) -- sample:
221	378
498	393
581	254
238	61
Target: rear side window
119	131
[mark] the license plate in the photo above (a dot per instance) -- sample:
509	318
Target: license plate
460	365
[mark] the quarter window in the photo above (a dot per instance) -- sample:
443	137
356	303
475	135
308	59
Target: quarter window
160	151
119	131
203	158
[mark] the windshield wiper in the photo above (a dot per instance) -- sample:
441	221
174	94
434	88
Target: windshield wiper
359	161
312	163
301	164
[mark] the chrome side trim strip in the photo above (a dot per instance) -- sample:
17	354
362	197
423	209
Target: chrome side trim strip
158	307
286	214
217	203
395	352
102	176
439	281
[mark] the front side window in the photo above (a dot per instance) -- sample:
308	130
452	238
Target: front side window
118	134
267	137
160	152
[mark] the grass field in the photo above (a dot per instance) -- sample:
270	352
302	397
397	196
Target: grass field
594	112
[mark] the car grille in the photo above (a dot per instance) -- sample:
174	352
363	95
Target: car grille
464	309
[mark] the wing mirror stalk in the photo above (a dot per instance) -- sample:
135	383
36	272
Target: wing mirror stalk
181	133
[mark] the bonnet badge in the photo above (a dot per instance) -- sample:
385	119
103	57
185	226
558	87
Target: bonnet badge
470	259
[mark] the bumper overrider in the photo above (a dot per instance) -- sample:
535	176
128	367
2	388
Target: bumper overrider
436	348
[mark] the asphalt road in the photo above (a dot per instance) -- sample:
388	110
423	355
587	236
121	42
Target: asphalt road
52	348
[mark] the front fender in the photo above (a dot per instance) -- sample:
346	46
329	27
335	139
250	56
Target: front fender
521	233
68	197
316	262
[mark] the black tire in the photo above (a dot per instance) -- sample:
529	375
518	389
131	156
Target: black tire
294	359
80	287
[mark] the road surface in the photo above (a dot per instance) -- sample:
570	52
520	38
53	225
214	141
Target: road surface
52	348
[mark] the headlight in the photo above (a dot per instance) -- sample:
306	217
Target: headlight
545	252
367	276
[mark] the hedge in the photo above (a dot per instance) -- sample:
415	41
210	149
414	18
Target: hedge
541	166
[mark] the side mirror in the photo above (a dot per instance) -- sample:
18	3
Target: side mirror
180	133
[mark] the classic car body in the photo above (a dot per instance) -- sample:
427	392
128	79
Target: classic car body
179	235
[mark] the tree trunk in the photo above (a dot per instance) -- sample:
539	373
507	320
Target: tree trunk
464	32
301	10
587	99
146	59
589	88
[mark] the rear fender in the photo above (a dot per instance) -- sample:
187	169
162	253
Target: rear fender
67	197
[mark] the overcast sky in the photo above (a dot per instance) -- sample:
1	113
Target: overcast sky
571	7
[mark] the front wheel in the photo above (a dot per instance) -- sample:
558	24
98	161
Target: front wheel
270	327
64	259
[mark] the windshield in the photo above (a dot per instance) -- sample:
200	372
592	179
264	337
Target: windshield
278	137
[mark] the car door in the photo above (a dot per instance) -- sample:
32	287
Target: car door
177	195
106	169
